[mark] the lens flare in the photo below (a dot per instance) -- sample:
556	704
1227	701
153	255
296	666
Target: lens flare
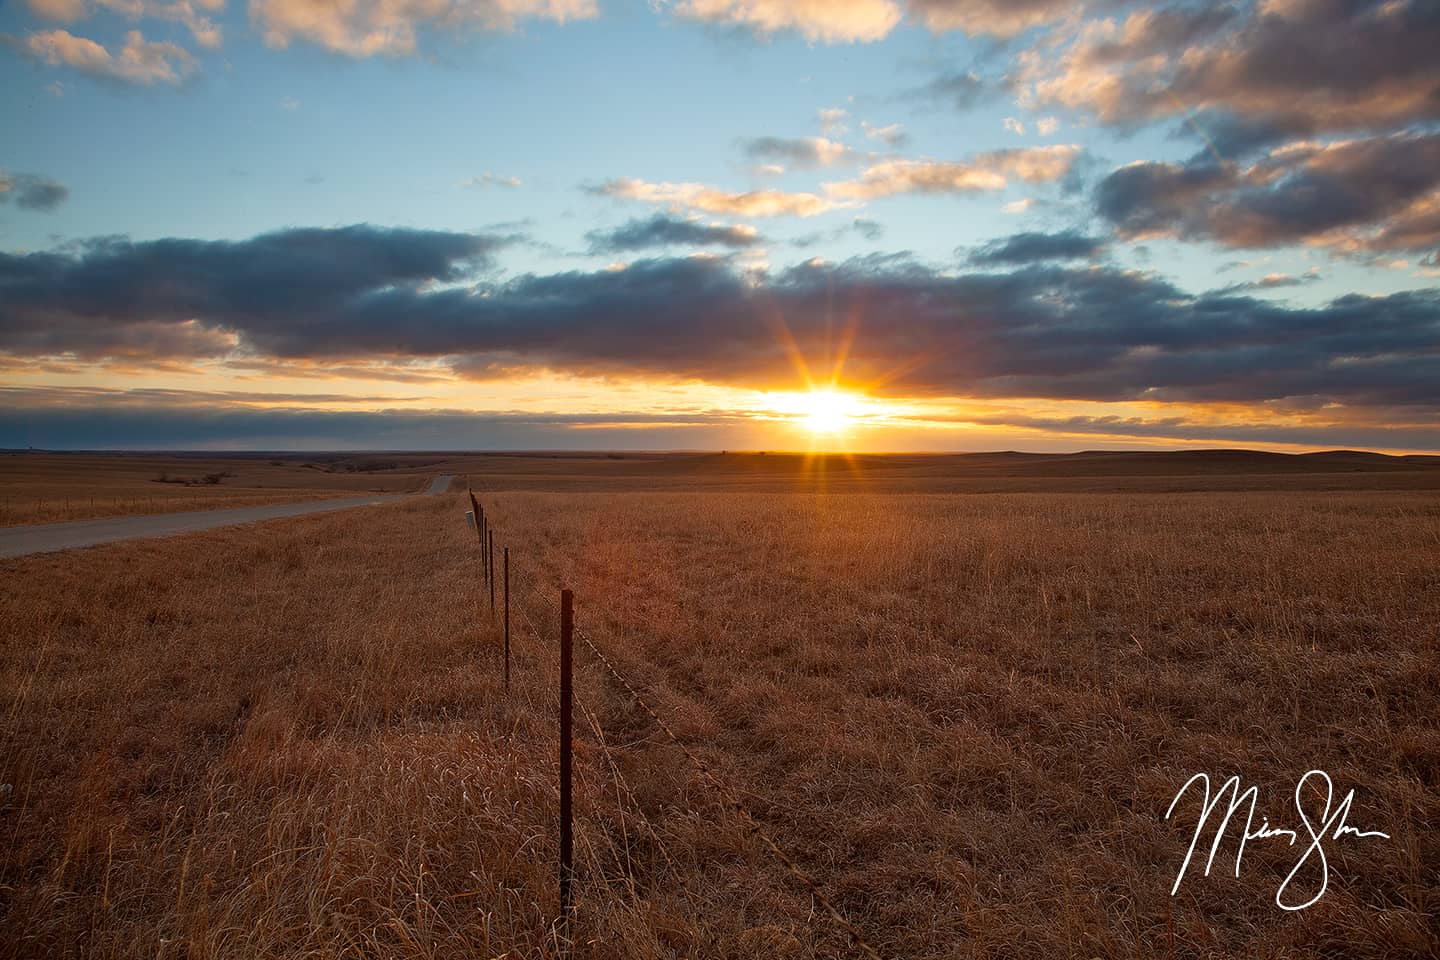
827	411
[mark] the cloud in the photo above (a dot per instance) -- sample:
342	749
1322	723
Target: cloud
871	230
190	298
32	192
666	231
865	21
957	90
88	420
201	27
1381	193
832	119
863	227
824	21
918	176
366	28
985	171
1003	18
1253	74
892	135
1014	126
138	62
803	153
488	179
1274	281
60	11
696	196
1036	247
53	397
1041	331
1341	434
1046	126
185	12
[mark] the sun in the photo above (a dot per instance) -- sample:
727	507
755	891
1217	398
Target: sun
827	411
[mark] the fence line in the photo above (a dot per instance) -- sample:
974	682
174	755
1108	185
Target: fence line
731	801
726	795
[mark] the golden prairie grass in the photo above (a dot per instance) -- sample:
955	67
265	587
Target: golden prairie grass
964	716
50	487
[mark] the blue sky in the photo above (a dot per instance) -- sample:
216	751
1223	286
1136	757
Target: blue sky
528	132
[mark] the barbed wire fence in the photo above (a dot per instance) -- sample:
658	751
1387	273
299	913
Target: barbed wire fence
626	799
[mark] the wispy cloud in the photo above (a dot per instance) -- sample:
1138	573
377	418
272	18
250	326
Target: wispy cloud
488	179
986	171
367	29
892	135
139	62
803	153
696	196
31	191
824	21
662	231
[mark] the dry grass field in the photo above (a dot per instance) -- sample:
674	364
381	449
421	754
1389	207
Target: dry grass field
963	714
53	487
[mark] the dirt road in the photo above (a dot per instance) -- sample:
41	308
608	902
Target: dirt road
49	537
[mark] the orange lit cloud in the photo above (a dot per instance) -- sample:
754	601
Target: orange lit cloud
138	62
365	28
696	196
826	21
989	171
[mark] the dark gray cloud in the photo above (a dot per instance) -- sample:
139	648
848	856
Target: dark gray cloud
663	230
119	420
1380	193
804	153
868	229
957	89
1094	333
1273	281
32	192
1036	247
57	397
188	298
1258	72
863	227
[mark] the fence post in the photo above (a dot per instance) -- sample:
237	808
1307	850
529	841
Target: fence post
567	628
484	532
507	619
491	553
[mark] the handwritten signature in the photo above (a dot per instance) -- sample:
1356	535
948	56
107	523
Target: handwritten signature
1329	826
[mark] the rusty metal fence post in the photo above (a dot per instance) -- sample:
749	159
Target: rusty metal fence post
567	629
507	619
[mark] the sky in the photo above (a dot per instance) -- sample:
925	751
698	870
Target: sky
710	224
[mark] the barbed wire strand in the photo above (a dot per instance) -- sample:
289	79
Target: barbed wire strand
724	792
623	791
720	788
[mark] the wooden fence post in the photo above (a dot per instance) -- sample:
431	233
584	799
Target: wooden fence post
567	627
490	551
507	619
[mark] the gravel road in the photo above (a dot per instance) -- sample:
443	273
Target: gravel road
49	537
